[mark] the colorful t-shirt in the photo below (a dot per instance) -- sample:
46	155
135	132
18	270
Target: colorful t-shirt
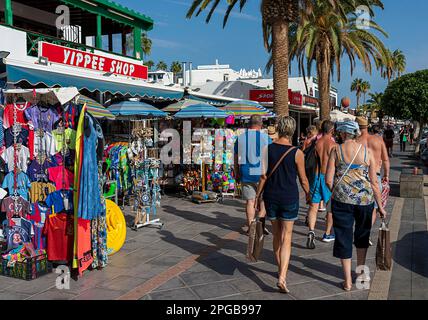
23	155
22	207
62	177
38	217
8	115
38	172
42	117
22	137
18	232
60	201
70	138
44	144
59	230
22	183
39	191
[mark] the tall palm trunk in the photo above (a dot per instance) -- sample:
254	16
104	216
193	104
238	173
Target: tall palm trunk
323	71
280	49
358	100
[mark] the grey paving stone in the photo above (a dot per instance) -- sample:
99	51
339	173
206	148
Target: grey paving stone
245	285
175	294
174	283
99	294
267	296
11	295
214	290
196	278
122	283
308	291
34	286
53	294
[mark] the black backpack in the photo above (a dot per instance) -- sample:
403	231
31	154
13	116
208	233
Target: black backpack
312	162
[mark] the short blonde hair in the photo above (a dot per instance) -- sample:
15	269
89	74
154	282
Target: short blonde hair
286	127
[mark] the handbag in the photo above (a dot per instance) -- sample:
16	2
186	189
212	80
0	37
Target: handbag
256	240
256	230
384	249
264	178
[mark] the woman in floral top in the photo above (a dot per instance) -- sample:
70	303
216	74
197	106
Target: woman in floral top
351	171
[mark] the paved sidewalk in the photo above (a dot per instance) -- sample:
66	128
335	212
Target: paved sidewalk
200	254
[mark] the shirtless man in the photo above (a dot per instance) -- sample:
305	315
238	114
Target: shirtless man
319	190
377	146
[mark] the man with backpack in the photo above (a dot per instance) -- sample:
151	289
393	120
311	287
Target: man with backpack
316	160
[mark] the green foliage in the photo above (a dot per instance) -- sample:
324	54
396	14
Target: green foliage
407	97
162	66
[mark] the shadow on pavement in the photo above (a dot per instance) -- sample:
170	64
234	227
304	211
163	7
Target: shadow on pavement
411	252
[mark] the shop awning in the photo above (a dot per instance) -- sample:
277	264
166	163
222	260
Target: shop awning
136	108
245	109
202	110
52	77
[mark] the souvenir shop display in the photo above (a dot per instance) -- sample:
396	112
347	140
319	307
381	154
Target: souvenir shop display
53	210
116	226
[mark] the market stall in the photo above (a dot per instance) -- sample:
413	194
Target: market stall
51	201
133	163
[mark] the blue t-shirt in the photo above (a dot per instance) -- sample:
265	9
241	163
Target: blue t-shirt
58	200
249	147
22	182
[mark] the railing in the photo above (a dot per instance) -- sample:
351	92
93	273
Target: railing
33	39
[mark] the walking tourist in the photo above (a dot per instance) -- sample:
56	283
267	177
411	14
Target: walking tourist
311	135
248	169
281	193
404	134
380	156
411	135
388	137
351	176
319	191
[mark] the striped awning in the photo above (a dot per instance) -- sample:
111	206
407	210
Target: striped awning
96	109
182	104
201	110
245	109
136	108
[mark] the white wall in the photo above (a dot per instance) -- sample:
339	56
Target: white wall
15	42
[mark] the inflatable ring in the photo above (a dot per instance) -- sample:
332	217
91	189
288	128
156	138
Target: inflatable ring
116	227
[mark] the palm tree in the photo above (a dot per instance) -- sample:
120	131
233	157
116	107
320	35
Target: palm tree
356	87
146	44
176	69
365	88
323	36
149	64
375	105
394	66
276	16
162	66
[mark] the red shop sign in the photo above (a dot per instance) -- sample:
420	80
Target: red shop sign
86	60
311	101
261	95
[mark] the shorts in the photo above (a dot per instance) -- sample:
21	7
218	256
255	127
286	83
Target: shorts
344	217
379	180
275	211
249	191
389	143
319	190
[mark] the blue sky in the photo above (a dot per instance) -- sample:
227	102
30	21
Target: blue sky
240	44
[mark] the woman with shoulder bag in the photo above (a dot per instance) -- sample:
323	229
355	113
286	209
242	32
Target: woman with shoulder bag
278	187
351	175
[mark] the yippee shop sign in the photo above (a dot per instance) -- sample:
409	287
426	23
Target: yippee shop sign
86	60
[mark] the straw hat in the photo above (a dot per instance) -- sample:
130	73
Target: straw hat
271	130
362	121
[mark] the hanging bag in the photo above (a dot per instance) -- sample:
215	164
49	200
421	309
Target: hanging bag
383	249
256	229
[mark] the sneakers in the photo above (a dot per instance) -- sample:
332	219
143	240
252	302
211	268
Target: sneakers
328	238
310	244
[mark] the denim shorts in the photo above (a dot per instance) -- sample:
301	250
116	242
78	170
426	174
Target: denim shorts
344	217
275	211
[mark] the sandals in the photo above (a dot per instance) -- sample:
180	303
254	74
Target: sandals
344	287
282	286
